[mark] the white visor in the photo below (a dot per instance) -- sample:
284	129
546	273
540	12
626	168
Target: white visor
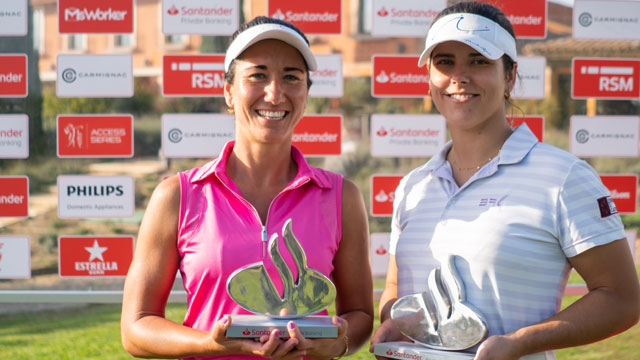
269	31
484	35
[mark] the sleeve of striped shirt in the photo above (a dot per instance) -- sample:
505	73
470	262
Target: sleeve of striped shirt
582	222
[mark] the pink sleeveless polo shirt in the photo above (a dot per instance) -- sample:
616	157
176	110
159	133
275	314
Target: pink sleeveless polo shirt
219	231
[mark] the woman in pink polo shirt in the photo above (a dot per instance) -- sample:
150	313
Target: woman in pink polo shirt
207	222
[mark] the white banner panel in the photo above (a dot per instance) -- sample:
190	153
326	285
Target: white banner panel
606	19
379	253
327	80
530	83
604	136
205	17
406	18
15	257
14	136
13	17
632	235
196	135
82	197
404	135
95	76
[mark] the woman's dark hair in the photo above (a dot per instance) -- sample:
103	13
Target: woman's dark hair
259	20
490	12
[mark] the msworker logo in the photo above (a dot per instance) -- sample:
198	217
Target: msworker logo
13	75
95	136
14	196
319	135
95	16
94	256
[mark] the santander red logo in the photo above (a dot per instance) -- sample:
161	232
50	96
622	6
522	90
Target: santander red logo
246	332
382	132
173	10
383	12
382	251
389	352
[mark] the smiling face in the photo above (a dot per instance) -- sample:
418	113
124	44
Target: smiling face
468	88
268	93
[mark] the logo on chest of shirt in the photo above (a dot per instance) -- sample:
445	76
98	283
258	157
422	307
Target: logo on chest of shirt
492	201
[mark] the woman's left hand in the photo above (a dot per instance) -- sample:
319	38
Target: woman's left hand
497	347
321	348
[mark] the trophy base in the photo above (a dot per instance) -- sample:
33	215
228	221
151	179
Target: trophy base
254	326
407	350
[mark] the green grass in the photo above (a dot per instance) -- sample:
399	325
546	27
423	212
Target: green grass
93	332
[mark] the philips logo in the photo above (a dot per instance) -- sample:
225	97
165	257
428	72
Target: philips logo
95	190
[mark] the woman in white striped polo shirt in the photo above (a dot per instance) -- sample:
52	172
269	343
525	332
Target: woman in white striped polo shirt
518	214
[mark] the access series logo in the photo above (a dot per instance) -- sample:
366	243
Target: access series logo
95	136
95	16
95	256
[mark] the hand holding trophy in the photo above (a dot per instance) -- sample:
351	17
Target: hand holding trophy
439	320
253	290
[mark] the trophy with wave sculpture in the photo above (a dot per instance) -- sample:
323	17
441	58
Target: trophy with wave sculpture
439	321
252	289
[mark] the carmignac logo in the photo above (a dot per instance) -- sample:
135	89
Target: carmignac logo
582	136
585	19
69	75
175	135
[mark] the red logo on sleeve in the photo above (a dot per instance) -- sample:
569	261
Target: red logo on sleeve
606	206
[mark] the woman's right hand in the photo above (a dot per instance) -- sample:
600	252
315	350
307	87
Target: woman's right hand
268	346
385	333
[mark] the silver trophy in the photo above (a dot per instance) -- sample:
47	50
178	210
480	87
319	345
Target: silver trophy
252	288
439	320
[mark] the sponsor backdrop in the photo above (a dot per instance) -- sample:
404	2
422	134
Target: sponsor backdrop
394	74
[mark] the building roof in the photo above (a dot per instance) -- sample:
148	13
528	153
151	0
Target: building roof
566	48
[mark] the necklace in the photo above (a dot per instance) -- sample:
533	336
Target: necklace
475	168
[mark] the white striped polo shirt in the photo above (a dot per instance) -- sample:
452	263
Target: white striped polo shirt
514	223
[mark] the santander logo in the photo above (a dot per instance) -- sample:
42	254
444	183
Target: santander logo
382	196
389	352
173	10
382	251
278	15
383	12
382	132
246	332
382	77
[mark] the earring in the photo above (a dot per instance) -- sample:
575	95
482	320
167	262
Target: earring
230	110
429	92
507	95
